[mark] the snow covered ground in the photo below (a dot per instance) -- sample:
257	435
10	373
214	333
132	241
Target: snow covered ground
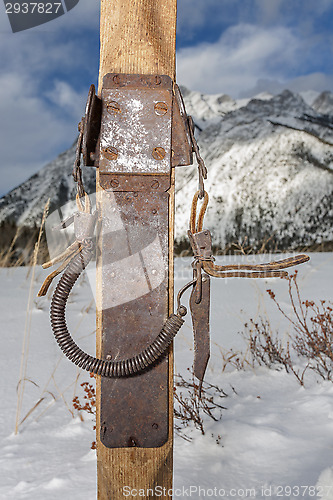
276	436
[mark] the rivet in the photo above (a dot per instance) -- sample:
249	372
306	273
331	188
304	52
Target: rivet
161	108
114	183
110	153
155	426
155	184
154	211
113	108
135	194
108	357
204	278
158	153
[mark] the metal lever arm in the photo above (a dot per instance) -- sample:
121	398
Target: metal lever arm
268	270
201	243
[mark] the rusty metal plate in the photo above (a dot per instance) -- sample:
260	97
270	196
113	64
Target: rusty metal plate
132	182
135	134
181	140
92	125
201	243
134	249
200	319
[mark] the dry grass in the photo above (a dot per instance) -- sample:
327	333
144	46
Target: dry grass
27	328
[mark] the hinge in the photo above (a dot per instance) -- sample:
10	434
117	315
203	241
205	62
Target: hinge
138	126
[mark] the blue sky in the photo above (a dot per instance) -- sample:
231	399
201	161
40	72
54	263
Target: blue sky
238	47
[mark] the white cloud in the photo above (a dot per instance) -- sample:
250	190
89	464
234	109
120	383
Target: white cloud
67	98
314	81
45	76
30	133
242	55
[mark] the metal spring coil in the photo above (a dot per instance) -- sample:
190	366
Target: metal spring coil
105	368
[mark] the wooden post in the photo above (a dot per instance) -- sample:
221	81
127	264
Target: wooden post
137	36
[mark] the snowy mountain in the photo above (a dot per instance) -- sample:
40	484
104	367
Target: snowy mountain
269	160
269	175
324	103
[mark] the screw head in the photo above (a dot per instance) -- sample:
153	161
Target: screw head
158	153
114	183
161	108
155	184
110	153
113	108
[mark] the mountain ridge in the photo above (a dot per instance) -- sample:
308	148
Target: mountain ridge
269	161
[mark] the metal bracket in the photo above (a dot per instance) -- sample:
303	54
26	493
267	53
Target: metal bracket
159	108
143	134
91	128
182	148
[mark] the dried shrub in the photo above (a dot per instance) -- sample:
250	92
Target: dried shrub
266	349
192	404
88	405
310	340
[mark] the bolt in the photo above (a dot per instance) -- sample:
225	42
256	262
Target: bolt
182	311
155	426
158	153
114	183
110	153
132	442
161	108
113	108
155	184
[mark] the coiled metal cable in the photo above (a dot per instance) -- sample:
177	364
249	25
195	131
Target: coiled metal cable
105	368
